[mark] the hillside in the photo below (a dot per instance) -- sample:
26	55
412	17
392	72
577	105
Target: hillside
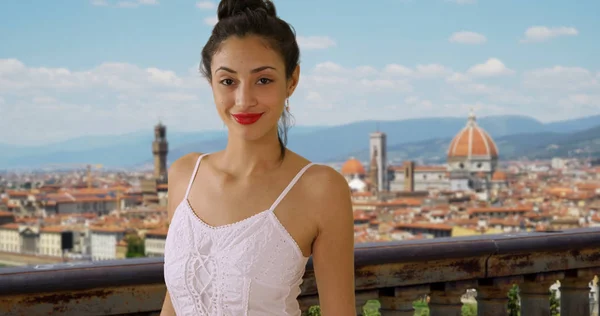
423	139
544	145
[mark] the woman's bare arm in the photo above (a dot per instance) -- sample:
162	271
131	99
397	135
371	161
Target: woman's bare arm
179	175
333	249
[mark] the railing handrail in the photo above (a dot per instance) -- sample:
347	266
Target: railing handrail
74	276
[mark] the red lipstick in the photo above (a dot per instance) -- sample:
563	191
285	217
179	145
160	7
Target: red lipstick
247	118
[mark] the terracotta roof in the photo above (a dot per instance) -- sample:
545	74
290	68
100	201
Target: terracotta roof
353	166
432	226
52	229
366	193
499	176
158	232
498	209
107	229
13	193
430	169
472	140
13	226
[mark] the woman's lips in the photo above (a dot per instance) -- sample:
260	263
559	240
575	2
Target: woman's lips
246	118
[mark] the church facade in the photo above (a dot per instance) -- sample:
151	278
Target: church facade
472	161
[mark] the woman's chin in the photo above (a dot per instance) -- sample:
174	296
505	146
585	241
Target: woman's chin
248	133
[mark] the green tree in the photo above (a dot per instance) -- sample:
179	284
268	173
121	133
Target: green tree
135	246
554	304
469	309
513	301
371	308
314	311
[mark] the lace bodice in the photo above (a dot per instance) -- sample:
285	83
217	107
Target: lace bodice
251	267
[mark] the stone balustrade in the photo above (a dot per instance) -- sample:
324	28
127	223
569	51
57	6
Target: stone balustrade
395	273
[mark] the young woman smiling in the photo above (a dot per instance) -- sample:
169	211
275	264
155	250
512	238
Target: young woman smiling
244	221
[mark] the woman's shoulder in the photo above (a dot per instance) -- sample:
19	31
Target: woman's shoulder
183	165
320	176
321	182
325	193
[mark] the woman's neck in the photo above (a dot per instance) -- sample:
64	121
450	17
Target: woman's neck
245	158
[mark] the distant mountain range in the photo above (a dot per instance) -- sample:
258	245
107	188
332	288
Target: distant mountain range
542	145
423	140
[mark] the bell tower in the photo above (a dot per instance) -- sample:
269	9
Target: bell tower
160	148
378	148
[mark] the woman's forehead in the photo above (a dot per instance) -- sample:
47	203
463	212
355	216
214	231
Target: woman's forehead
246	53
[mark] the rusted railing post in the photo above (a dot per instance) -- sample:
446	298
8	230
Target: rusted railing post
535	293
361	299
399	301
492	296
575	292
306	301
445	298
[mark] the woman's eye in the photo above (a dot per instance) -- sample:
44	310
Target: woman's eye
227	82
264	80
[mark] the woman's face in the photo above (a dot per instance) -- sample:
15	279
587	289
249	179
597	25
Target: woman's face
250	87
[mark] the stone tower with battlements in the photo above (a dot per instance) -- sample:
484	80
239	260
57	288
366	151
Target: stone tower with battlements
378	146
160	149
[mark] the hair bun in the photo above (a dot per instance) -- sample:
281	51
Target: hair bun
229	8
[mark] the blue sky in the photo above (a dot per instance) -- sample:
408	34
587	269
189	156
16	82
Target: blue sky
71	68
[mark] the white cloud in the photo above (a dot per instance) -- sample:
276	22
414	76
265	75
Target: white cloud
205	5
124	4
44	99
328	66
313	96
211	20
537	34
8	66
382	84
366	70
396	69
420	71
477	89
492	67
109	98
315	42
120	97
99	2
561	78
467	37
463	1
176	97
417	101
431	71
457	77
582	99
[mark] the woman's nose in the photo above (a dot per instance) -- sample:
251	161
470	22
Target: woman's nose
245	96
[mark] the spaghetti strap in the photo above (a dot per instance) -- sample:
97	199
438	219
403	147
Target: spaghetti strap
289	186
187	192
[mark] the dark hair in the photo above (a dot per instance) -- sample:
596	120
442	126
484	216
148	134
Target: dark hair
254	17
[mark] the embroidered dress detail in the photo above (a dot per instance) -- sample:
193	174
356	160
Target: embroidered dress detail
250	267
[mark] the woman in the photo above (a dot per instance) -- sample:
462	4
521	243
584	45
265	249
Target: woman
243	221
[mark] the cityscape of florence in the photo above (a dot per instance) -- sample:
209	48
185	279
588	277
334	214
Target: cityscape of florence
473	159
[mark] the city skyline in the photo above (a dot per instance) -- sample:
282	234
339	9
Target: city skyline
128	64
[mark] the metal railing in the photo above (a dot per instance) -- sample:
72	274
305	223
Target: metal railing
395	273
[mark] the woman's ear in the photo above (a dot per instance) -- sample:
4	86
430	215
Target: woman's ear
293	81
